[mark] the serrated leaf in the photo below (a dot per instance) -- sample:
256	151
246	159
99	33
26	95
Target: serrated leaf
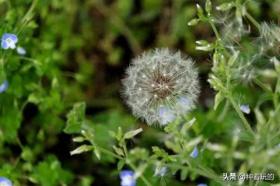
75	118
133	133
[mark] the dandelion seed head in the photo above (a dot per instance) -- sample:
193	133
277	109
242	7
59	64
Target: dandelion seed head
160	86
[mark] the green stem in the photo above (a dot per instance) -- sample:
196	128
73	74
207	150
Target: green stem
108	152
141	175
253	21
215	30
242	117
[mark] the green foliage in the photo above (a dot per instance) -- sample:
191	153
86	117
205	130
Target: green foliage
62	120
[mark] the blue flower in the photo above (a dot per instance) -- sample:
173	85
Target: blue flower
21	51
127	178
245	109
166	115
5	182
4	86
194	153
201	184
160	171
184	104
9	41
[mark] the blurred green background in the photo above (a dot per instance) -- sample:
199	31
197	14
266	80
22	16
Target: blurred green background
78	50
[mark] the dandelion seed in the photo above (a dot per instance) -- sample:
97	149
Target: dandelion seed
9	41
194	153
169	89
5	182
4	86
245	109
127	178
21	51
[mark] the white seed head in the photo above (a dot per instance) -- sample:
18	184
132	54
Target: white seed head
168	83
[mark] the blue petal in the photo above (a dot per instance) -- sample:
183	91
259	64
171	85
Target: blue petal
245	109
5	181
4	86
166	115
13	37
4	44
21	51
201	184
127	178
194	153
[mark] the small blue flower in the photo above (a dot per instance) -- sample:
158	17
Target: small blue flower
184	104
194	153
4	86
21	51
201	184
160	171
245	109
9	41
166	115
5	182
127	178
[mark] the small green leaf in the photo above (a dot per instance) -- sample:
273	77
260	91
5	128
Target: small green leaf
133	133
193	22
81	149
218	99
119	151
97	153
75	118
208	6
200	12
79	139
225	6
120	165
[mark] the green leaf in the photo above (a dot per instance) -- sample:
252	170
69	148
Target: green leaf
225	6
218	99
200	12
193	22
75	118
133	133
208	6
81	149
